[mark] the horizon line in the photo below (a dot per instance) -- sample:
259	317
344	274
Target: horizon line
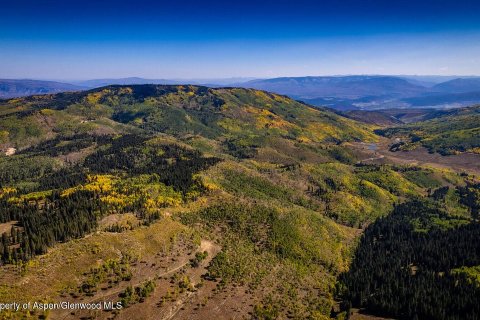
238	77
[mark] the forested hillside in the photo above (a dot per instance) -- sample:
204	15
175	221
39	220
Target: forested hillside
421	261
175	199
451	132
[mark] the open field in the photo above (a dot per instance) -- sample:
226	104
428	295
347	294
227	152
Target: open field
468	162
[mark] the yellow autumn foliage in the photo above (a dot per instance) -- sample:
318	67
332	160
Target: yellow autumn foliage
69	191
120	193
117	199
5	191
125	90
36	195
230	125
322	131
262	95
208	183
95	183
95	97
266	119
4	136
99	183
47	112
304	139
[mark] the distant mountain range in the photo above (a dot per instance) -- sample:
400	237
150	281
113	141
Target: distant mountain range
358	92
19	88
11	88
460	85
95	83
373	92
349	87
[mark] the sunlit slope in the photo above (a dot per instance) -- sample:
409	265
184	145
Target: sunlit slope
248	117
454	132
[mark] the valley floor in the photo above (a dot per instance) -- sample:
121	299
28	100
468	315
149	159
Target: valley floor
379	153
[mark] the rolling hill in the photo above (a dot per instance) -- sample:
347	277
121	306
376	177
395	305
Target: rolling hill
460	85
245	117
443	100
395	117
378	118
450	132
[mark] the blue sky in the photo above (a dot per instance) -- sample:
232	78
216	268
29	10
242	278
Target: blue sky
73	39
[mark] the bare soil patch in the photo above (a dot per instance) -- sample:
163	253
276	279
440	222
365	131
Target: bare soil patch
127	220
358	315
7	226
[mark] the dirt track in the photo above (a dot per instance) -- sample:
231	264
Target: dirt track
179	263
